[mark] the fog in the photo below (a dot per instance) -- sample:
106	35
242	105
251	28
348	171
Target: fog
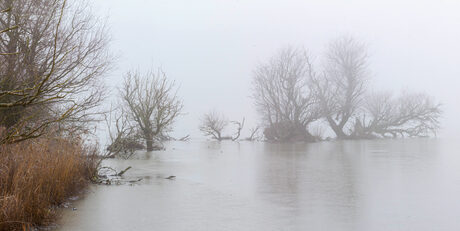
229	115
210	48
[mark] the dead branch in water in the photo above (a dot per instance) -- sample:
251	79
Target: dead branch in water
238	129
123	172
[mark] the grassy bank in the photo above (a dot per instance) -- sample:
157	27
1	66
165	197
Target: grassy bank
37	176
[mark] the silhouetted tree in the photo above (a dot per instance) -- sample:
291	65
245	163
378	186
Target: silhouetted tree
290	95
152	103
409	115
340	88
212	124
284	97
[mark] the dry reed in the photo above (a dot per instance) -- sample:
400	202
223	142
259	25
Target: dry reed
37	176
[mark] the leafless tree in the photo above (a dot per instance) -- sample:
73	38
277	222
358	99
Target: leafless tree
213	124
253	134
409	115
152	103
284	97
124	138
54	54
342	84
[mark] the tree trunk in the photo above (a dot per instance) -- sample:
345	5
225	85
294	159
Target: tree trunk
149	145
149	142
337	130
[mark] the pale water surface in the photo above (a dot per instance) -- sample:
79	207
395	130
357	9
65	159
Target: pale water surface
411	184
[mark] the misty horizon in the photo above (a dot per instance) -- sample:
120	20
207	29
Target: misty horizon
229	115
212	48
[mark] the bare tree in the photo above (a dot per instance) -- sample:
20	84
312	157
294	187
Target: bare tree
124	138
341	86
54	55
410	114
212	124
253	134
284	97
152	103
290	96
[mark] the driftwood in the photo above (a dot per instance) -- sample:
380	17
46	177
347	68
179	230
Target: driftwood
116	173
123	172
185	138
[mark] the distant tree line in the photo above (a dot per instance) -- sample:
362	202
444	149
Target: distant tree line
291	93
54	54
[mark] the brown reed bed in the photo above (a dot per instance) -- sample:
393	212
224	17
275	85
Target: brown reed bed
39	175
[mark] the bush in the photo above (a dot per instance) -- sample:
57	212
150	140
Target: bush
288	132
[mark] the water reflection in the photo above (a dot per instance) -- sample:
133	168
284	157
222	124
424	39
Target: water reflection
349	185
315	183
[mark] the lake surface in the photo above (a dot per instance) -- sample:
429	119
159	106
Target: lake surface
411	184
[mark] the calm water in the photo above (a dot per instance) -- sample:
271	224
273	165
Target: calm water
353	185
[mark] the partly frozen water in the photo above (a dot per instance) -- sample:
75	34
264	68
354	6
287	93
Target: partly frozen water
411	184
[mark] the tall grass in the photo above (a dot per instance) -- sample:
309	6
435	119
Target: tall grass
36	176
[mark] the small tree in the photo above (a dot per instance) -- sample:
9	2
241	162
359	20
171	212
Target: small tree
152	103
212	124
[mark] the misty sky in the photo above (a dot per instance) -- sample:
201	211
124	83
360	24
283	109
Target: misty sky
210	47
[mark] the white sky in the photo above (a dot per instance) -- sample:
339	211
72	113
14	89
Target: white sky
210	47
